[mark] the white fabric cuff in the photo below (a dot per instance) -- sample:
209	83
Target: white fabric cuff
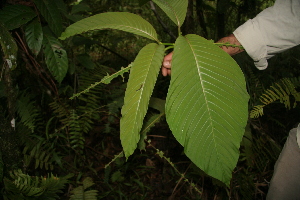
251	39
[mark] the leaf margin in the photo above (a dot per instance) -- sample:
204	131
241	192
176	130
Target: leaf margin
143	88
180	57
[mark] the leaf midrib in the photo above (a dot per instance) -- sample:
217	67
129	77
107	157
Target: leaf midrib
140	31
204	94
177	19
142	89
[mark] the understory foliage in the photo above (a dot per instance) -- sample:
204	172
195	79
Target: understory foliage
205	85
85	113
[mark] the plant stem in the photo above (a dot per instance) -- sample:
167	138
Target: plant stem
227	44
168	44
161	154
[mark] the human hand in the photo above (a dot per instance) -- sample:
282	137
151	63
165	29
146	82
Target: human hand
166	65
232	40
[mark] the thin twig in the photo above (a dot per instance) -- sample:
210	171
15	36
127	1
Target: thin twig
38	69
161	154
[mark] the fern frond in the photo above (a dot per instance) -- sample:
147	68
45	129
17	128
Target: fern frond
53	185
90	102
41	152
81	192
23	186
295	81
257	111
279	91
27	110
60	108
76	135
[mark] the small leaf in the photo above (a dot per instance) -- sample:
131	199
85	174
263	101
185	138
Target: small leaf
34	36
158	104
51	13
140	85
14	16
175	9
207	105
117	176
56	57
148	124
115	20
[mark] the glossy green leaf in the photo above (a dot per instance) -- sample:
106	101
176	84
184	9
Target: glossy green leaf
51	13
9	47
115	20
56	57
140	85
34	36
206	106
14	16
175	9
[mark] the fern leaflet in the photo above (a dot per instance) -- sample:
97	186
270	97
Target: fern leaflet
81	192
279	91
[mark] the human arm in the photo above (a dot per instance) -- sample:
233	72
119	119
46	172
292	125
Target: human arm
272	31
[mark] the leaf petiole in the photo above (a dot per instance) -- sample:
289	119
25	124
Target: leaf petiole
169	47
168	44
227	44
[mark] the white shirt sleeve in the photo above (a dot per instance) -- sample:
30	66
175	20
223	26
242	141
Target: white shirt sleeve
272	31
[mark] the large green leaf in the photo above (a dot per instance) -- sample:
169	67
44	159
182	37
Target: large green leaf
206	105
140	85
14	16
115	20
175	9
51	13
34	36
56	57
9	47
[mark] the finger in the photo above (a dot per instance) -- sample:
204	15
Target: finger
164	71
167	64
169	72
167	60
168	57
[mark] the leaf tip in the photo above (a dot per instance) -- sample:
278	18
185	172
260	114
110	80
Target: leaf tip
63	36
